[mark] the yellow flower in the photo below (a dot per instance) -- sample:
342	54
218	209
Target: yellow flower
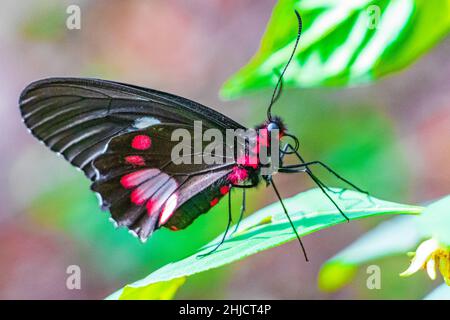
428	255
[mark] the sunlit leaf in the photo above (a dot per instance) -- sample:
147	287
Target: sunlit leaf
269	227
155	291
343	42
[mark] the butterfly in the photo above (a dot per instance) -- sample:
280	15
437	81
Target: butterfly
121	137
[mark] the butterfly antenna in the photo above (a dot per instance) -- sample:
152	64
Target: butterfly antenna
278	87
290	221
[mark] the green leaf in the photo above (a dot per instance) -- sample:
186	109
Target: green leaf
435	221
395	236
343	42
154	291
440	293
269	227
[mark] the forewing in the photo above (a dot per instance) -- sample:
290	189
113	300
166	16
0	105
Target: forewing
78	117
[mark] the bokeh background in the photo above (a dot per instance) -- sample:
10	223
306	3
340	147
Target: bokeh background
391	138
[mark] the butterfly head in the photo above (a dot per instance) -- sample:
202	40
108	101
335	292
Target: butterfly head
275	124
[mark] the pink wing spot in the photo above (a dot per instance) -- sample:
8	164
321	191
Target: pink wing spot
238	175
214	202
141	142
135	160
160	198
168	209
138	196
224	190
150	204
135	178
151	188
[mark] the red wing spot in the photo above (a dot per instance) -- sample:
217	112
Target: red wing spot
135	160
173	228
224	190
214	202
141	142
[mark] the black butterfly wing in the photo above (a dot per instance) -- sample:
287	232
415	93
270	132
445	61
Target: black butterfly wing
89	121
143	185
77	117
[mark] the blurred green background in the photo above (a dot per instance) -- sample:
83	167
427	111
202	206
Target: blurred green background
391	138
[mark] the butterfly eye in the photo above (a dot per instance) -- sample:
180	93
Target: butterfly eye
272	126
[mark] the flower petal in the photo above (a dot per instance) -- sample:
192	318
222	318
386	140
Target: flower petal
423	254
431	269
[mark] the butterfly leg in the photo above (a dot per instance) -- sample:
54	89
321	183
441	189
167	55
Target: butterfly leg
244	201
289	219
304	167
322	187
226	230
299	168
241	215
